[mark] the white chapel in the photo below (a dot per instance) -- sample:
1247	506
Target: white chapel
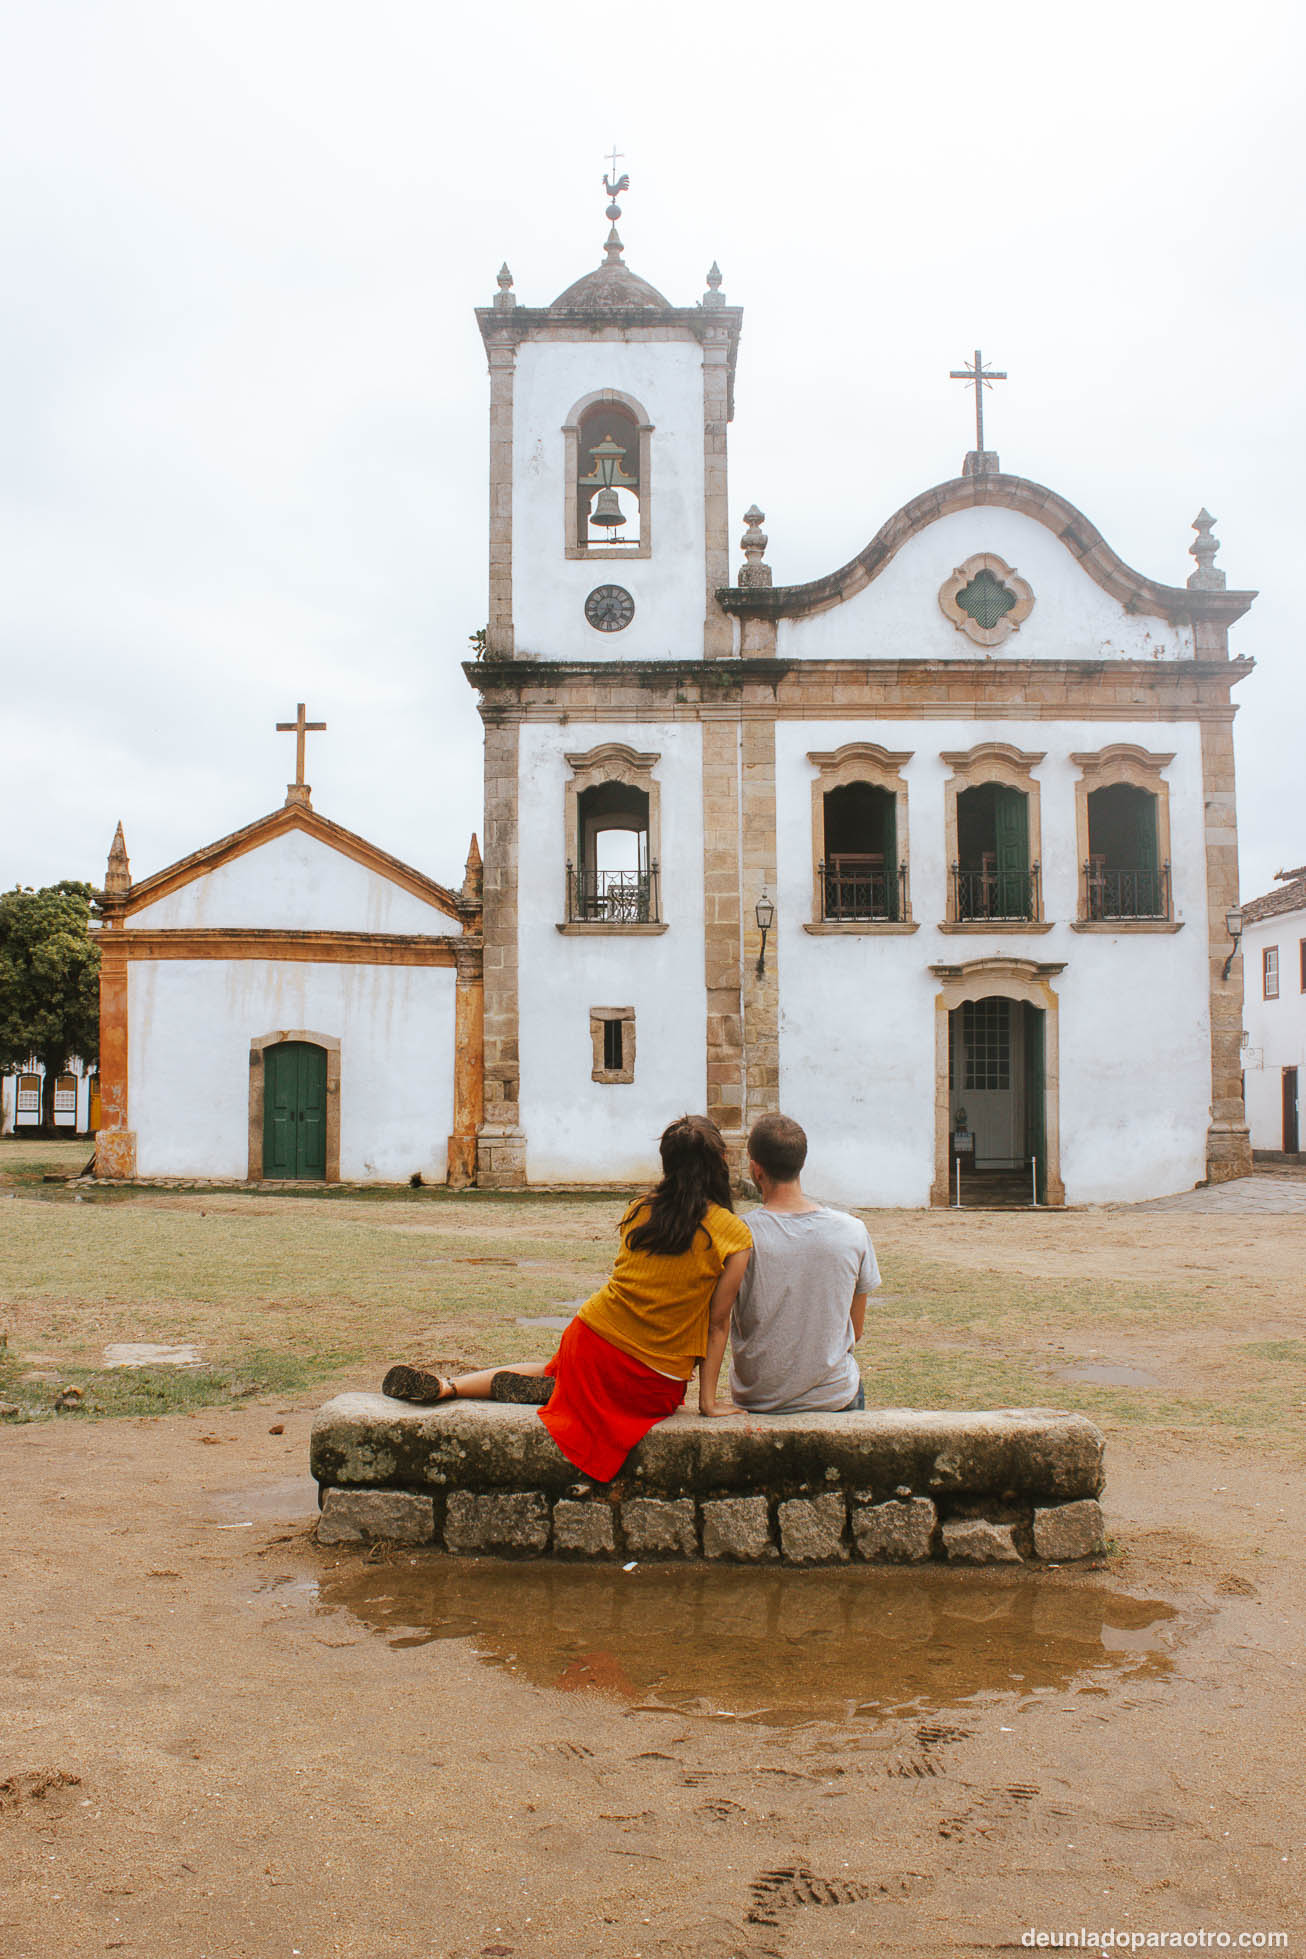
934	852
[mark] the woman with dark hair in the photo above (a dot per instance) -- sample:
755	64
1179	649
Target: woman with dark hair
624	1361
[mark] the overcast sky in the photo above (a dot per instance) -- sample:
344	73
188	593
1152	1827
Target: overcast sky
245	421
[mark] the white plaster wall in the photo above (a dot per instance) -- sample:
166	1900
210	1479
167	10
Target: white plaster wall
579	1130
295	882
548	589
857	1012
898	616
189	1029
1276	1029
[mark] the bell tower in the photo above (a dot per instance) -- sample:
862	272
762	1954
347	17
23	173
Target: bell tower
608	417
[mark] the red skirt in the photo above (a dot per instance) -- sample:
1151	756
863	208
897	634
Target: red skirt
603	1401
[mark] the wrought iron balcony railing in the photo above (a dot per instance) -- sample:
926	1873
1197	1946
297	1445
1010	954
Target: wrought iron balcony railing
861	887
989	894
612	897
1143	893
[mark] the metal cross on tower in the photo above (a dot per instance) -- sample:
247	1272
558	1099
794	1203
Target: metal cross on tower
979	377
300	727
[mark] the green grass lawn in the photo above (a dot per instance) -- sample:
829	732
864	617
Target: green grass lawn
283	1294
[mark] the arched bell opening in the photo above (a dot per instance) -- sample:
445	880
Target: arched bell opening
608	478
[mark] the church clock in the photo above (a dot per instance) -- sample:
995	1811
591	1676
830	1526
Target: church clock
609	607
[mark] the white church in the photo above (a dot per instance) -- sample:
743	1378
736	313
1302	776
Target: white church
935	853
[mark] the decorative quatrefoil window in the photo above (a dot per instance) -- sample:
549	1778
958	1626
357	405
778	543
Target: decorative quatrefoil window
985	599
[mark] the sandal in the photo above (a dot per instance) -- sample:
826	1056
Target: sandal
531	1389
417	1384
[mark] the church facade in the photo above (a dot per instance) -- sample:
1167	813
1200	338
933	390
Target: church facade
934	853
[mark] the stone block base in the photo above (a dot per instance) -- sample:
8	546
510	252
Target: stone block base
115	1155
501	1159
887	1487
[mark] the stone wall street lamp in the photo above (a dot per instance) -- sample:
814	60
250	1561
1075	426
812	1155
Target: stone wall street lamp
764	913
1233	923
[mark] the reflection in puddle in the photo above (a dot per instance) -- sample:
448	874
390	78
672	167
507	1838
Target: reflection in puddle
772	1646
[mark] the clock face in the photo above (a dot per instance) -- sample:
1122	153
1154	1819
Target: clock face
609	607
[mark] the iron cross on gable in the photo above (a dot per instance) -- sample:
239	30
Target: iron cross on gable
979	377
300	727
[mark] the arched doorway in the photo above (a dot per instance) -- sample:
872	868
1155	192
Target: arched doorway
997	1099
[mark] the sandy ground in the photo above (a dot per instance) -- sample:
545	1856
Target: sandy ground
220	1740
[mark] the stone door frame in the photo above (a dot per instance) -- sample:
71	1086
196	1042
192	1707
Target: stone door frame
1028	980
257	1048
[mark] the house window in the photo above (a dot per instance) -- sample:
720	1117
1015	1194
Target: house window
607	461
612	1040
986	1026
993	876
612	826
1123	874
29	1095
859	840
994	827
1270	972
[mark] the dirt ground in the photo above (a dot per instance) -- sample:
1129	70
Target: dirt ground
218	1740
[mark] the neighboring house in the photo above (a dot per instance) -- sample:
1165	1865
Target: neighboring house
76	1099
934	852
1274	1058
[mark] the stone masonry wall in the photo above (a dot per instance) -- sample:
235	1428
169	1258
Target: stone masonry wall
895	1486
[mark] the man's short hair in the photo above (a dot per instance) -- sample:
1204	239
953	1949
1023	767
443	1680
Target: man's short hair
778	1145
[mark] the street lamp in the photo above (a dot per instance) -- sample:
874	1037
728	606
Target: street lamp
1233	925
764	913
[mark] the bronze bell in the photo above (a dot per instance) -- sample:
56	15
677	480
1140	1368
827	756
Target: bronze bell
607	510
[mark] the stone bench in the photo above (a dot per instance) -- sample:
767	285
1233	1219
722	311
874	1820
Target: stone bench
893	1485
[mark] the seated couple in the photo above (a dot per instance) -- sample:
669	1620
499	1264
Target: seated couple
787	1287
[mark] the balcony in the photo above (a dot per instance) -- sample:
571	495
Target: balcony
859	887
987	895
1126	894
612	897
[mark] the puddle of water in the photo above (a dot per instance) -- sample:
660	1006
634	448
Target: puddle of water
775	1647
1110	1377
146	1353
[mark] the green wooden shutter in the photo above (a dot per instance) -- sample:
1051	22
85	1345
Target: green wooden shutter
1011	845
891	892
1036	1096
311	1150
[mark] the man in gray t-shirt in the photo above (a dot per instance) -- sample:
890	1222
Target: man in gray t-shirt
802	1305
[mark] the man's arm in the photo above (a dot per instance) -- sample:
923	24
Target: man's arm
718	1332
857	1314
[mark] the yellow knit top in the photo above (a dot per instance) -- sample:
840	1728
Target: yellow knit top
655	1305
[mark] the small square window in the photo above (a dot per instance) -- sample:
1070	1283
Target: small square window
612	1039
1270	972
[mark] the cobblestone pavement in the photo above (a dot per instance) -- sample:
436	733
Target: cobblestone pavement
1259	1193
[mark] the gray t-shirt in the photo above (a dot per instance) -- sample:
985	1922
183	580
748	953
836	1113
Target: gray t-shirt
791	1337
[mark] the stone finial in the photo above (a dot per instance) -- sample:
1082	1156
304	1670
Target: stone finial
753	545
981	462
714	295
473	876
1204	547
505	299
613	248
118	877
614	186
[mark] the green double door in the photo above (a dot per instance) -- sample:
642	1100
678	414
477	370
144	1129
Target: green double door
294	1110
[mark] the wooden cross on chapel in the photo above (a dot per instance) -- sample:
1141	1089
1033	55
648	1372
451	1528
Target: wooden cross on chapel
299	791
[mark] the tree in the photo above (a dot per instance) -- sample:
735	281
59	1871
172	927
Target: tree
49	982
